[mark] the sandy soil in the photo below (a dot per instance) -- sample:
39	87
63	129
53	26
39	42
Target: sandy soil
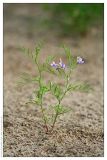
77	133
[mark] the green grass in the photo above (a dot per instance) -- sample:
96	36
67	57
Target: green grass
72	18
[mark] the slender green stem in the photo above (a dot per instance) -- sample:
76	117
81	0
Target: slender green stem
59	101
56	115
43	117
42	110
66	88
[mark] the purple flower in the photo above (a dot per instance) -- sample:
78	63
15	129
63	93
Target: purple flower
53	64
58	66
62	65
80	60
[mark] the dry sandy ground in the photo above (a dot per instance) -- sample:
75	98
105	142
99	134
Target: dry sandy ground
77	133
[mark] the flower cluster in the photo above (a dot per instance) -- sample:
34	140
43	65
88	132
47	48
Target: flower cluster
59	65
62	65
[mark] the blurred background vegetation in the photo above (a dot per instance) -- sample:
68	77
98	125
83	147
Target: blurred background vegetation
62	19
74	18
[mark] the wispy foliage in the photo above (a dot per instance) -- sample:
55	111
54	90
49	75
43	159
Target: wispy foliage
59	69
